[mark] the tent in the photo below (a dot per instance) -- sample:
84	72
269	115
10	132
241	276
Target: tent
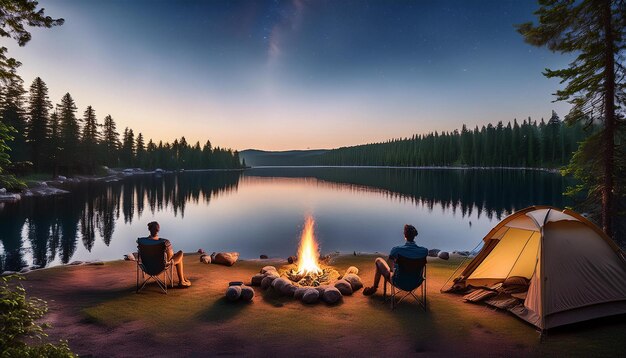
575	272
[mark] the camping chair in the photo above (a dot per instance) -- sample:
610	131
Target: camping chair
406	265
153	262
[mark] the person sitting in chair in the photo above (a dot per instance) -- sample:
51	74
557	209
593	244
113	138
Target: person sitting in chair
409	250
177	258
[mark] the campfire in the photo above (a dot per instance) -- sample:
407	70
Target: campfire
308	277
306	270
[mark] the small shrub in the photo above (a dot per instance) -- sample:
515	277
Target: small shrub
18	322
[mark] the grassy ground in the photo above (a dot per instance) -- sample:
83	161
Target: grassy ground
96	309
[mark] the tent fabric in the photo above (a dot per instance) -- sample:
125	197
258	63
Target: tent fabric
586	271
505	257
576	272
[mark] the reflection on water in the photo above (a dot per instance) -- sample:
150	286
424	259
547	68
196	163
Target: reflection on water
260	211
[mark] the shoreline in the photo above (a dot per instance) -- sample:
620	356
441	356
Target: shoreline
547	170
40	188
456	254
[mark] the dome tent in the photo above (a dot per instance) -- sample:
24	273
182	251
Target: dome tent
575	271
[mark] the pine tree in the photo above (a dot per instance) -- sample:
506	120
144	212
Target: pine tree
593	30
12	114
54	142
90	139
128	147
70	132
140	149
38	127
110	141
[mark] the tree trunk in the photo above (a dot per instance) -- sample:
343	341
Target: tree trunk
608	206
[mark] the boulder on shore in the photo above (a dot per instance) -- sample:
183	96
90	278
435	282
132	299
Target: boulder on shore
267	282
310	296
263	257
225	258
344	287
433	252
444	255
247	293
265	269
300	292
256	279
354	280
331	295
205	259
233	293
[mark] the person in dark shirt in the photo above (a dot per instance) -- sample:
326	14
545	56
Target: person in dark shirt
177	258
409	250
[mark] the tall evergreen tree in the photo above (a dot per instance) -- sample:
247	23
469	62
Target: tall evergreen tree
90	139
140	151
13	115
70	132
54	142
110	141
38	126
594	30
128	147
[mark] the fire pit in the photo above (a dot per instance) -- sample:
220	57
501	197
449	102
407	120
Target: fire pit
309	277
307	270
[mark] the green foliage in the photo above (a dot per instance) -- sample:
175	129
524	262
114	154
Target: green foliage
19	315
528	145
595	32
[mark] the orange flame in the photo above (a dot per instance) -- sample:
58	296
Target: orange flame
308	252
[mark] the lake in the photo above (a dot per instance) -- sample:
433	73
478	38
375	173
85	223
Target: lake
262	210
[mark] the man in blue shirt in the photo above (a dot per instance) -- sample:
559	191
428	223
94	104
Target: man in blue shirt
409	250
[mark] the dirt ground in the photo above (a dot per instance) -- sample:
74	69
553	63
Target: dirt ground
96	309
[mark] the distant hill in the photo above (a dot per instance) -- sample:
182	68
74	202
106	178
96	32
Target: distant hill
258	158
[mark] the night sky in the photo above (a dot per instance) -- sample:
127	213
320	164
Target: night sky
281	75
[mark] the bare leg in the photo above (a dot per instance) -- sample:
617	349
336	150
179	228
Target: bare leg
177	259
382	269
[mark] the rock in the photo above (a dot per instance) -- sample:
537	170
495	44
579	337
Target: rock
444	255
225	258
76	263
61	177
129	257
205	259
233	293
272	273
201	251
288	289
344	287
354	280
25	270
278	283
267	282
292	259
256	279
7	273
352	270
95	263
433	252
268	268
310	296
247	293
331	295
321	289
300	292
263	257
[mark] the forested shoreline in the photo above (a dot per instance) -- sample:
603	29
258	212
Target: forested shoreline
52	139
531	144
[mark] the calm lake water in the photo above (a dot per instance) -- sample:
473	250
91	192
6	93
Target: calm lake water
261	211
